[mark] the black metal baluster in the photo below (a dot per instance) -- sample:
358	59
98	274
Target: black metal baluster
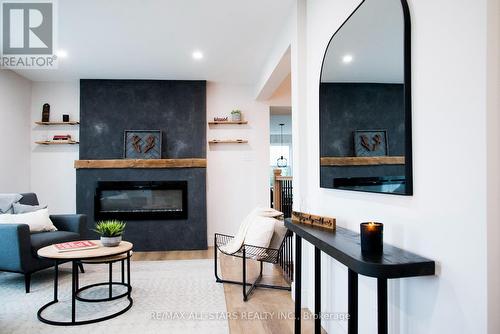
281	257
285	206
286	270
289	259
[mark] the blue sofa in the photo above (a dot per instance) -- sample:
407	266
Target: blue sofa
18	248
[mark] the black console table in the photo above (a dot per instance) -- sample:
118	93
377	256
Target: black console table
344	246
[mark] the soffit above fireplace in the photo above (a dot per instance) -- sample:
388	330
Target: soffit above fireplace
141	163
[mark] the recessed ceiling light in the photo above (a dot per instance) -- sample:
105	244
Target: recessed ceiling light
197	55
61	54
347	59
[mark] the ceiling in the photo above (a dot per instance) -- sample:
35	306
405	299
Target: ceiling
373	36
154	39
280	110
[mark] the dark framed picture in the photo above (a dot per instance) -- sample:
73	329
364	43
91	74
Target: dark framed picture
142	144
370	143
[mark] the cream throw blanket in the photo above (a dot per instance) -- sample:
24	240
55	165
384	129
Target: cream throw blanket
253	218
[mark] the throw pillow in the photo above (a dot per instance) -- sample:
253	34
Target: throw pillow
260	231
38	221
267	212
278	235
23	208
6	201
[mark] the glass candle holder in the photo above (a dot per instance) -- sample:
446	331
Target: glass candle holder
372	238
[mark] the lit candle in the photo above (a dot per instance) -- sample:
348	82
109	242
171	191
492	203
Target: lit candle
372	237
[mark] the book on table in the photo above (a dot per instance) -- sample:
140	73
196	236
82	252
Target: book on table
75	245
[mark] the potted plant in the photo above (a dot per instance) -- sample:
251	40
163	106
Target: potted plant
236	115
110	231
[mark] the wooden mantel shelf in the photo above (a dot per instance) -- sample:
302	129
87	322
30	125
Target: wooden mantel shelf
362	161
141	163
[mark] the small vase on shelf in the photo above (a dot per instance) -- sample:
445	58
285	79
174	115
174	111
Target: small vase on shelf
236	115
46	112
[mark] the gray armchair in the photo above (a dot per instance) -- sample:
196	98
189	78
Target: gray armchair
18	248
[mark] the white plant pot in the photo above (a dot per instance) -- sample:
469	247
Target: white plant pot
111	241
236	117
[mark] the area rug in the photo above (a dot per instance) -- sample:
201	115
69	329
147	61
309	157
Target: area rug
169	297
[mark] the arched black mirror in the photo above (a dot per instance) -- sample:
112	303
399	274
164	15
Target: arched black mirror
365	102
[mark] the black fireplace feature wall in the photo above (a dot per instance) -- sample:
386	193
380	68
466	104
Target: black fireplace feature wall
178	110
136	200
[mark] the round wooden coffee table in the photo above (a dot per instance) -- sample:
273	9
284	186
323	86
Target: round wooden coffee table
109	255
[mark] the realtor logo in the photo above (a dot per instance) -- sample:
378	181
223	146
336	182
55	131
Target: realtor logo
27	28
27	34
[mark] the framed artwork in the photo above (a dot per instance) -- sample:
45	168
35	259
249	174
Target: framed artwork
370	143
142	144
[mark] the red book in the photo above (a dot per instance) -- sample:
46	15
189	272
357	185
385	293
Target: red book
75	245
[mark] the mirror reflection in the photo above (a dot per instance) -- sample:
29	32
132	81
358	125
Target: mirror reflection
365	134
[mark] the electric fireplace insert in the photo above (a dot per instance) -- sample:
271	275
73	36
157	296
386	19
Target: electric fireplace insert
140	200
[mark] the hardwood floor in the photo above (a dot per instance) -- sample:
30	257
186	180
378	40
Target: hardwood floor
266	311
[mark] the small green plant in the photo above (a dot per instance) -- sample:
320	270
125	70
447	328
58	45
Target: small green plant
110	228
236	112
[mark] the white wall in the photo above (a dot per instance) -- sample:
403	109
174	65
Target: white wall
237	174
15	95
446	218
53	177
493	166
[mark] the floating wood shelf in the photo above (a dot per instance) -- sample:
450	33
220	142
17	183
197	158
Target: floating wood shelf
362	161
141	163
58	123
228	141
56	142
227	122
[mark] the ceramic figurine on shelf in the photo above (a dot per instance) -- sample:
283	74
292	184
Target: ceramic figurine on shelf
46	112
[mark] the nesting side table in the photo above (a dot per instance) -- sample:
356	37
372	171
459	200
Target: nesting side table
107	255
